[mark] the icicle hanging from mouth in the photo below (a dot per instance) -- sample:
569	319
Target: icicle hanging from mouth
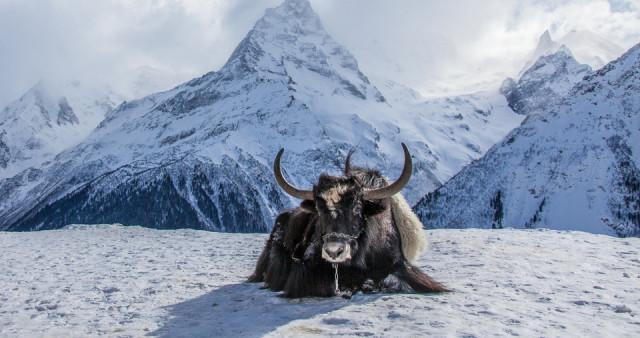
335	266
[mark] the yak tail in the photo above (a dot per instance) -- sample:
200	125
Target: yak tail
418	280
412	237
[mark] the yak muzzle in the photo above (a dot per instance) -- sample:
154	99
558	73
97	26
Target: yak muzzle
336	248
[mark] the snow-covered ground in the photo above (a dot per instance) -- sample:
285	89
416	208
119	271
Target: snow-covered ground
133	281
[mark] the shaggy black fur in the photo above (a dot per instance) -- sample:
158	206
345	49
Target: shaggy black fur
292	258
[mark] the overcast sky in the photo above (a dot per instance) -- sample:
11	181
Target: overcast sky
435	46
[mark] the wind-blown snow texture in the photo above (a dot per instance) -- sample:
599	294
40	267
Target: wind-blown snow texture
200	155
574	166
133	281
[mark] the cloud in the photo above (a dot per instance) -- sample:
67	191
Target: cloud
441	46
100	40
436	46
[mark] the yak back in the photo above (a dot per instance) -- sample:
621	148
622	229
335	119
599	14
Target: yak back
409	226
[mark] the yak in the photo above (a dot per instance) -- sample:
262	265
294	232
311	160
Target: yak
350	233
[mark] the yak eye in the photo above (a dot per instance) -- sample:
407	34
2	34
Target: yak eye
356	209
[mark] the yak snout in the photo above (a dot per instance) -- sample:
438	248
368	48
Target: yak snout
336	249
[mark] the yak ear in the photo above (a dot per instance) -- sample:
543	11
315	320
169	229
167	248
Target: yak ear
372	208
308	206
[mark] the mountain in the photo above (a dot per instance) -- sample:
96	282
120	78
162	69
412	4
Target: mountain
200	155
572	167
47	119
549	79
586	47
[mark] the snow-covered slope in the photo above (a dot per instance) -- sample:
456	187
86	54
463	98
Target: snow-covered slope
133	282
200	155
572	167
47	119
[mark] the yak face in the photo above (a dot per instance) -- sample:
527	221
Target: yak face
342	211
343	205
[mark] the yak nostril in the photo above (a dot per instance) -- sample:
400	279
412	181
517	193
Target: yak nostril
337	253
334	250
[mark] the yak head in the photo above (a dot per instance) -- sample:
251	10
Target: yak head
343	204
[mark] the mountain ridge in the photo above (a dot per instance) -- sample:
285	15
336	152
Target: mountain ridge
207	145
47	119
572	167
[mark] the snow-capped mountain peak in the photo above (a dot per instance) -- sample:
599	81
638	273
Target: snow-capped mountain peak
47	119
545	46
290	40
548	80
585	46
574	166
200	154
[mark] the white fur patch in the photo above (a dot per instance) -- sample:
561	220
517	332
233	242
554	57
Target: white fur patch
333	197
412	236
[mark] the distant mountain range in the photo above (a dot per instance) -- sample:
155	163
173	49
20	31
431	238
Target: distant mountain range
572	165
48	119
200	154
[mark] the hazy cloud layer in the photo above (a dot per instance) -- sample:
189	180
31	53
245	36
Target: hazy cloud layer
435	46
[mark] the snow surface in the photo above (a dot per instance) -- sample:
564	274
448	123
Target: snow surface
132	281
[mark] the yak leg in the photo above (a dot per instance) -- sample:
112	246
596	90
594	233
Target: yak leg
261	265
304	281
418	280
273	260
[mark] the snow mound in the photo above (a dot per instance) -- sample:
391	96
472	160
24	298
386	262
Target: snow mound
133	281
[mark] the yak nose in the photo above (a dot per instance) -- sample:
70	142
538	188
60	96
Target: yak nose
335	252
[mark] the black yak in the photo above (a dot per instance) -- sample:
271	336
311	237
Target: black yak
349	234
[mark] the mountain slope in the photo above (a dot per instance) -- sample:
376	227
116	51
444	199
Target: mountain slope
47	119
573	167
200	155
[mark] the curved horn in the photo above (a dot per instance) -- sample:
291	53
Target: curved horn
286	186
347	164
395	187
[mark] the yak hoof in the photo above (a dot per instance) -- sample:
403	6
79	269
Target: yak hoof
346	294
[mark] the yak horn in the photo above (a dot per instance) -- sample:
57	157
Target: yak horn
286	186
347	164
395	187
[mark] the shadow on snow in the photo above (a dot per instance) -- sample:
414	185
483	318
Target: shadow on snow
245	310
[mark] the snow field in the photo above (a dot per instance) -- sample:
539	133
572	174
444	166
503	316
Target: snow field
132	281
